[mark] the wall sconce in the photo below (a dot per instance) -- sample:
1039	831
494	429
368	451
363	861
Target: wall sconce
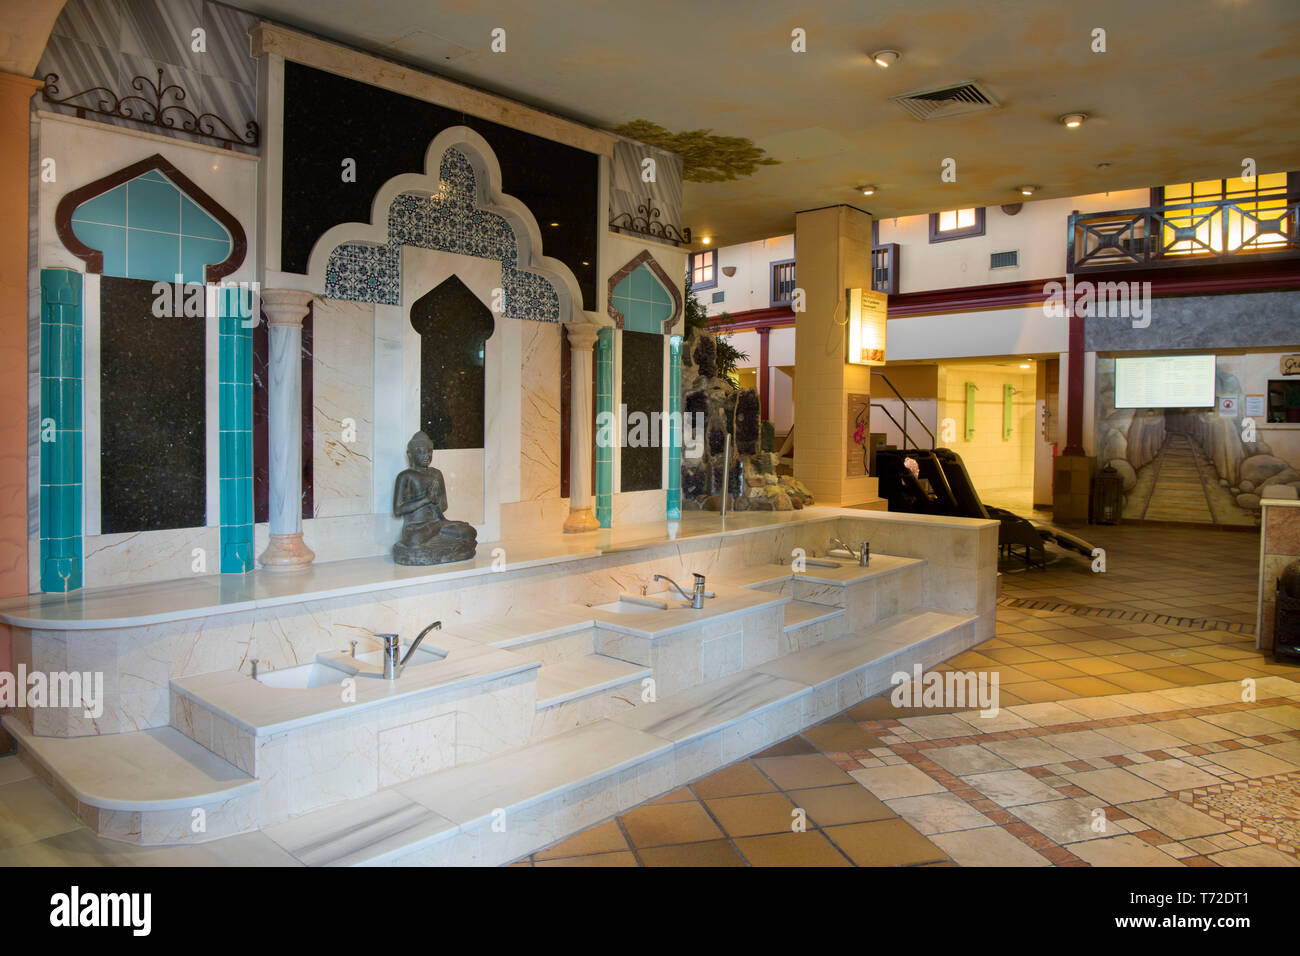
864	328
728	271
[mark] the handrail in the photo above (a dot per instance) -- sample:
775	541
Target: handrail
1124	238
906	408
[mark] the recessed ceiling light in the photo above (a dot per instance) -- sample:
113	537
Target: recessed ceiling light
1074	120
706	240
1024	365
555	224
885	58
868	190
1026	190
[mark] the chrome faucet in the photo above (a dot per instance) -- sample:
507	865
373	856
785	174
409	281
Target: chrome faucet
696	599
394	660
863	554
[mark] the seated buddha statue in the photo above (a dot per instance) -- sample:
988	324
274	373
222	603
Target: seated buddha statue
420	500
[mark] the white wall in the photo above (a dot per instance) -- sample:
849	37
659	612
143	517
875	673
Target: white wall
749	288
1038	231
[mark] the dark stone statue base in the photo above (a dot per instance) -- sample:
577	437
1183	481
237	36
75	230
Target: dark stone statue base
439	551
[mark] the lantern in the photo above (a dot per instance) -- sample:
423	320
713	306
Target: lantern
864	326
1107	496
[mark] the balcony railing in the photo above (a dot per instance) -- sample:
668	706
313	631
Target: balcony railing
1256	227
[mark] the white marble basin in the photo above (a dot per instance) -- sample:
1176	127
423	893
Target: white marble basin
627	607
304	676
424	654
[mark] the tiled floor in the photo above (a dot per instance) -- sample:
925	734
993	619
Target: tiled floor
1118	743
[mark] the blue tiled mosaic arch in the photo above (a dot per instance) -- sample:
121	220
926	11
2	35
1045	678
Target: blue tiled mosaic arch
450	221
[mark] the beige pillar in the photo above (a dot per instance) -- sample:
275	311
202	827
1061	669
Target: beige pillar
832	254
582	513
285	309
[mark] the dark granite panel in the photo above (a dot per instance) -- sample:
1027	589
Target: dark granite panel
643	391
261	458
329	118
454	327
152	413
1200	322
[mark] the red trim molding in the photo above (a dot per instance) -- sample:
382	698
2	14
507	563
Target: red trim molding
776	317
94	258
1207	279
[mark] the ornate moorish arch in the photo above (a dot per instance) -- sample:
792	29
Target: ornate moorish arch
644	257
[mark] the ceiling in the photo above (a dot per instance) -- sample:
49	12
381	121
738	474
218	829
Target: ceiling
1186	89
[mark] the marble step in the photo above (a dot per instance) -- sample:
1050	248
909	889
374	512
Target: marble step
150	786
800	614
577	691
572	680
499	809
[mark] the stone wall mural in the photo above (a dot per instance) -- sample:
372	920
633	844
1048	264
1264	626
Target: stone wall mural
1189	464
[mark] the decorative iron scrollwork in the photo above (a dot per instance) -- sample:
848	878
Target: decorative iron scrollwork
153	104
646	223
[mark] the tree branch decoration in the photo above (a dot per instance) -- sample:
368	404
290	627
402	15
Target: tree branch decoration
705	158
153	104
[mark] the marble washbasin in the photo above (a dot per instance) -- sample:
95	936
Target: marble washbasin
304	676
629	607
424	654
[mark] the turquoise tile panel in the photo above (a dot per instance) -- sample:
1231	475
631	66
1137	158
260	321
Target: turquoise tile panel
109	240
153	255
153	205
198	254
195	221
108	208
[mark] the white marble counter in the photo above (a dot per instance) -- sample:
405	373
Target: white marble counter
205	595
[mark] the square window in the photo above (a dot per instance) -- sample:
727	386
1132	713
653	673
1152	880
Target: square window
704	269
956	224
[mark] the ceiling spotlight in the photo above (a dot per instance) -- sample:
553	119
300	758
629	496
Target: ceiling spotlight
868	190
1026	190
1074	120
886	58
706	240
1024	365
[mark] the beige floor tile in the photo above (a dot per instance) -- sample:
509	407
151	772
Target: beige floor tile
1251	763
966	759
1010	788
1191	730
1173	774
1048	714
900	780
1140	737
12	770
1085	743
1115	786
1288	751
1288	715
831	737
1121	851
936	728
938	813
1174	818
1254	856
1067	821
30	812
1244	723
1027	751
988	846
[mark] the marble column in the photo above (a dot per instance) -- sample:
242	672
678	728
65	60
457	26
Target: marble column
285	310
582	515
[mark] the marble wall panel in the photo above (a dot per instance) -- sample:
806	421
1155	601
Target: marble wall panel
343	407
539	413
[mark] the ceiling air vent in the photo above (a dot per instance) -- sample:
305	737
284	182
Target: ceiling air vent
1003	260
945	101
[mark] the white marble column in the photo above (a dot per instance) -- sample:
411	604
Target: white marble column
582	512
285	310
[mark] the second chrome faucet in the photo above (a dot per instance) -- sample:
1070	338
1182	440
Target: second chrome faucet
696	599
392	649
